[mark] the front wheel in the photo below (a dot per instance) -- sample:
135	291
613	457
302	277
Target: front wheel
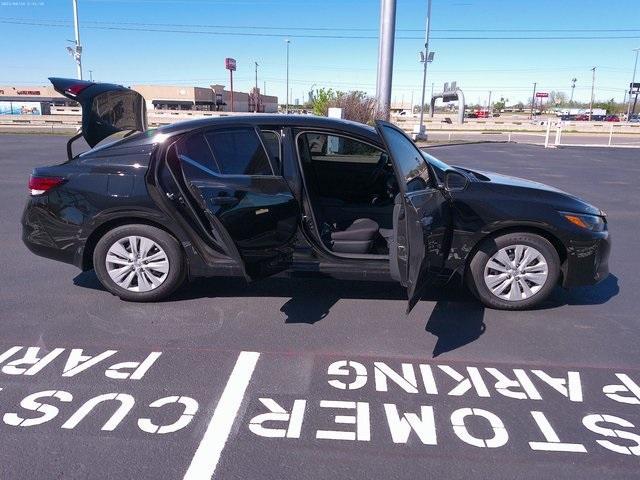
139	263
514	271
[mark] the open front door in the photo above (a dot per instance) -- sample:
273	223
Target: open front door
225	182
419	217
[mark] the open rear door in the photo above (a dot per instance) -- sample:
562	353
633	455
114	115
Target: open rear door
419	220
106	108
252	219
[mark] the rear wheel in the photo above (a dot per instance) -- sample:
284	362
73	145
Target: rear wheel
514	271
139	263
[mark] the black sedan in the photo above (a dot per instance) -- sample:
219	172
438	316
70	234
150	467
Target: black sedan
262	194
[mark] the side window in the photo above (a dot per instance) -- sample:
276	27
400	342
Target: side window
239	152
196	149
333	148
271	142
409	161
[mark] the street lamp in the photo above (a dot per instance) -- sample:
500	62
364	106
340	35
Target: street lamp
287	105
633	80
76	51
593	84
573	87
426	57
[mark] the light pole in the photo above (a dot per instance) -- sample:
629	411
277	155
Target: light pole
91	75
421	133
489	106
76	51
593	85
385	56
533	99
573	87
286	108
633	80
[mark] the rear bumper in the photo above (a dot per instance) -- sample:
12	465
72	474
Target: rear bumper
48	237
587	260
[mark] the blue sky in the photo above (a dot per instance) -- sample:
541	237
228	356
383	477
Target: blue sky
117	51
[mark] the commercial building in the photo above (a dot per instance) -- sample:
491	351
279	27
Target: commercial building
46	101
32	101
214	98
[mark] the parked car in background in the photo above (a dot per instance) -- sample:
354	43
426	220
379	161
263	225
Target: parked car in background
612	118
257	195
583	117
635	118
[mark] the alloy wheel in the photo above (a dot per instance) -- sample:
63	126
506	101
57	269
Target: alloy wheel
137	264
516	272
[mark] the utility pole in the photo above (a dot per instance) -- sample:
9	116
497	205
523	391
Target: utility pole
256	92
593	85
489	106
432	87
633	80
286	108
385	56
533	99
91	75
76	52
256	75
421	134
573	87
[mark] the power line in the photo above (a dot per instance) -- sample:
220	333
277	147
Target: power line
334	29
326	37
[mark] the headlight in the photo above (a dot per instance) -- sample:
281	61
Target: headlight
594	223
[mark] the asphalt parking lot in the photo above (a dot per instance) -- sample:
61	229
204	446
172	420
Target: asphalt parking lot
317	378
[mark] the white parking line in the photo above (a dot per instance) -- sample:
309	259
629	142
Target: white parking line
205	460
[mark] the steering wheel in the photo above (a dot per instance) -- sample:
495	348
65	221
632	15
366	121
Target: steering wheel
378	170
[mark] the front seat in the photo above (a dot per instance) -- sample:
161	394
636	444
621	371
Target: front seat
356	238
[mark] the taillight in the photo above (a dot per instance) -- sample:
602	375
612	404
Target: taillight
40	185
77	88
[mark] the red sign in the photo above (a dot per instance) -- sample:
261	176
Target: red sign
230	64
542	95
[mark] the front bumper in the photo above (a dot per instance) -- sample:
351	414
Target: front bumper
587	261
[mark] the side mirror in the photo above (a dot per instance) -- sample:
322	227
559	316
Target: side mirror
455	181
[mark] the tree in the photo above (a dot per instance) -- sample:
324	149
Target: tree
322	99
610	106
500	104
355	105
557	98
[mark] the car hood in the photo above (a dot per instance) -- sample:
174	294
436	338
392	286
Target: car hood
539	191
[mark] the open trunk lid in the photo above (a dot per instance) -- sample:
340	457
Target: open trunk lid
106	108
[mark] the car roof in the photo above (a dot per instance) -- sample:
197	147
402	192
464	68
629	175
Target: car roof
267	120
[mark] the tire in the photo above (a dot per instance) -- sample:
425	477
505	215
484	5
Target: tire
524	287
148	280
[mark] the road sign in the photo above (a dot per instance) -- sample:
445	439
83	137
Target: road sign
230	64
542	95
